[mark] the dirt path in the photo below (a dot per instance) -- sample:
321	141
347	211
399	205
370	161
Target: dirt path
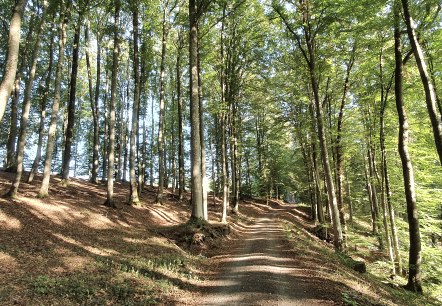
263	270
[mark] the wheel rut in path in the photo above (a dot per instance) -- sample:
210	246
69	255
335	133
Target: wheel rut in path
263	270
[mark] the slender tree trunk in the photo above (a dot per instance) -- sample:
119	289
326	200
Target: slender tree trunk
152	137
12	59
106	128
126	133
195	139
94	98
45	93
115	61
202	137
71	103
134	199
384	168
339	155
430	93
26	109
414	257
44	188
180	123
225	179
337	230
161	151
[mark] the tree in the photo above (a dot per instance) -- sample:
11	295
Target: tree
430	92
414	257
195	139
111	149
134	199
64	19
26	108
12	59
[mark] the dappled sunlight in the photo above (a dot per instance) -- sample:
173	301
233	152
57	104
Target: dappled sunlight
9	222
7	263
91	249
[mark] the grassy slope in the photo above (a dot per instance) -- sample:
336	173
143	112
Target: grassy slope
69	249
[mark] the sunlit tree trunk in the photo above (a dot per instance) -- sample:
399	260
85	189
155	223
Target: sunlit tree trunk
7	83
115	62
134	199
195	139
44	188
180	121
161	151
26	108
94	98
430	93
414	257
44	92
10	162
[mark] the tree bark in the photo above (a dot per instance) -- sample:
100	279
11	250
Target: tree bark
111	156
26	108
71	104
94	97
414	257
180	122
64	19
161	152
134	199
7	83
195	139
430	93
45	92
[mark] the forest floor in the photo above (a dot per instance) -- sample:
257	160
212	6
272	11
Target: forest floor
69	249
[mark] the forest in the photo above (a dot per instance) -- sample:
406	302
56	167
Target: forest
330	106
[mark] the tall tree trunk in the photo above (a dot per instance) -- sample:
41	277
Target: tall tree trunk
180	121
205	180
44	90
223	119
94	98
337	230
152	137
339	155
44	188
26	108
71	104
195	139
106	128
430	93
134	199
414	257
161	151
115	62
385	188
7	83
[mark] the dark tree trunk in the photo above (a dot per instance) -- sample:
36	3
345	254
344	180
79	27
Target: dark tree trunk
414	257
134	199
71	104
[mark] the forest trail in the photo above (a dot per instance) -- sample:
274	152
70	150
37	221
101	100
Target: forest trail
263	270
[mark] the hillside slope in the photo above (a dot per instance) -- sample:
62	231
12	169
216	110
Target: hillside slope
70	249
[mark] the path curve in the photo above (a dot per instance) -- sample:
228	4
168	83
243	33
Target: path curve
262	270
